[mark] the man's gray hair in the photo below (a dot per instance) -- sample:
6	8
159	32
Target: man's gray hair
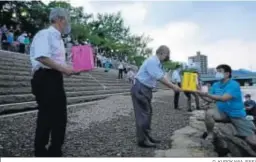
59	13
163	49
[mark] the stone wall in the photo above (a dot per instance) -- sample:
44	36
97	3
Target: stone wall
188	141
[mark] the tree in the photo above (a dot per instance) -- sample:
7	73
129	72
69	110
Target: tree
25	13
139	60
107	32
170	65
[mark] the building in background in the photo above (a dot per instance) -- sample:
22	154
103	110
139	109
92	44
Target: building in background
200	61
211	71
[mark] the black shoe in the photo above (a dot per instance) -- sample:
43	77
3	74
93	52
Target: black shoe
146	144
54	152
189	110
41	153
153	140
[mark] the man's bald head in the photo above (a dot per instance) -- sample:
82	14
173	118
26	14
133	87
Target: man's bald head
163	53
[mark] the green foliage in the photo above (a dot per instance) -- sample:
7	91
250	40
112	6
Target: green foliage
170	65
139	60
188	70
106	31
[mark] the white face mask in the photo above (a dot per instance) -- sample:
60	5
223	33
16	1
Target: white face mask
219	76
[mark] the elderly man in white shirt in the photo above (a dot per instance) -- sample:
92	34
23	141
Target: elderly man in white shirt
120	70
176	79
47	55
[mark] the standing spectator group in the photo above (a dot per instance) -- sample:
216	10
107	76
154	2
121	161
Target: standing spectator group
14	40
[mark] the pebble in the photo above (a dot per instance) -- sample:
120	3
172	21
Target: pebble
105	129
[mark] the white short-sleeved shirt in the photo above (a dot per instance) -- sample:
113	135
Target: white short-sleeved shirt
121	66
47	43
176	77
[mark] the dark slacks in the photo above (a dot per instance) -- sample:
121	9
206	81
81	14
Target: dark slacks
176	98
141	98
188	95
48	88
120	73
22	48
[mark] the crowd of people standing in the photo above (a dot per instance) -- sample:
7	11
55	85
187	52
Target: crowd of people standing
14	40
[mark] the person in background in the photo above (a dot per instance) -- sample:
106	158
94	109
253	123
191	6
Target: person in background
47	55
230	108
190	94
21	40
10	39
103	60
141	92
120	70
107	65
130	75
17	32
176	79
250	107
4	28
27	43
98	61
4	41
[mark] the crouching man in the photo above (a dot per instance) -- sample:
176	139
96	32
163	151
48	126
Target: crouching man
230	108
250	107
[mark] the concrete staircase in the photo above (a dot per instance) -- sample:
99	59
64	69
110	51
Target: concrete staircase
15	88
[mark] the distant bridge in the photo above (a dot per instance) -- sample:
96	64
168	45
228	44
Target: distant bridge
241	78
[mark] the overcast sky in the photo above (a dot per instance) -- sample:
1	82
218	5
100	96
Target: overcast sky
224	31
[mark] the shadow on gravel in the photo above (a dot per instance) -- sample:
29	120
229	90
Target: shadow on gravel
112	138
116	137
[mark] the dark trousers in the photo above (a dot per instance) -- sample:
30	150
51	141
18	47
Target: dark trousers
176	98
99	63
5	45
120	74
141	98
47	86
188	95
22	48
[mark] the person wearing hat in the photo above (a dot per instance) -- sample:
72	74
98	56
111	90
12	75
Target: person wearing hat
47	55
250	107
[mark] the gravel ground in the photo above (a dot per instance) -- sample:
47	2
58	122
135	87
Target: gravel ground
103	129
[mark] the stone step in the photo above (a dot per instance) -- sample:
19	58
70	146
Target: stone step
70	100
27	65
15	72
6	70
84	83
15	59
18	64
13	55
72	79
24	90
17	76
16	98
